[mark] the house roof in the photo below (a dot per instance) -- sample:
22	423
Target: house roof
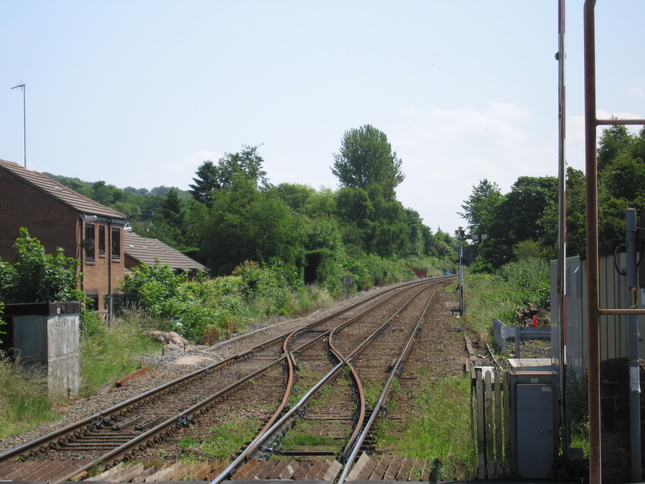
153	250
59	191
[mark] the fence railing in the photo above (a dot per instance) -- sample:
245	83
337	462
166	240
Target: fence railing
502	332
491	415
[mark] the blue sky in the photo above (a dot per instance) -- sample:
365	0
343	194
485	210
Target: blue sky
140	92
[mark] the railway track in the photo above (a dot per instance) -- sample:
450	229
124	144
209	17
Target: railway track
334	414
131	429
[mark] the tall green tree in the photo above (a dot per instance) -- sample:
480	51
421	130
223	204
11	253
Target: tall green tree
244	223
527	212
212	178
366	158
479	208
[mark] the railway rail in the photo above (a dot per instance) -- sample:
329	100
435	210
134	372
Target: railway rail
382	353
129	429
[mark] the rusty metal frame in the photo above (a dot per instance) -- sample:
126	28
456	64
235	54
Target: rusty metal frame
593	307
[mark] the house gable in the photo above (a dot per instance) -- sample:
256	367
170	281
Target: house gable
61	217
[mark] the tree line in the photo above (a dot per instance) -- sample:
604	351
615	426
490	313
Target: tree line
524	222
232	213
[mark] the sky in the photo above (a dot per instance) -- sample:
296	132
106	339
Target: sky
141	92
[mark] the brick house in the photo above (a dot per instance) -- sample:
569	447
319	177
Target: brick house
61	217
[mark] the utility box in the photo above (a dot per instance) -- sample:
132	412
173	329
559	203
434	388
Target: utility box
534	417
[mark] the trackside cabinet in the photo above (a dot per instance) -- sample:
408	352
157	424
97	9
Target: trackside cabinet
534	414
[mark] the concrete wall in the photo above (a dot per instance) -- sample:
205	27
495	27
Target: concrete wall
48	335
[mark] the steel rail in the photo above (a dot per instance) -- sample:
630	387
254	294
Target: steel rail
362	410
74	430
166	428
283	421
77	429
291	360
396	371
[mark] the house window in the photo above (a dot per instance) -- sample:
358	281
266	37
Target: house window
101	240
116	243
89	241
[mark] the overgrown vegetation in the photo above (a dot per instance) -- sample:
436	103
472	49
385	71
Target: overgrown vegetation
24	400
225	440
443	432
37	276
498	295
105	355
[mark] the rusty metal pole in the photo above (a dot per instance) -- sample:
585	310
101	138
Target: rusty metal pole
593	313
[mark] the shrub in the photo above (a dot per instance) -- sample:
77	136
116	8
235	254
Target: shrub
36	276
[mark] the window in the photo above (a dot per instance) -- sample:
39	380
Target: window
88	241
116	243
101	240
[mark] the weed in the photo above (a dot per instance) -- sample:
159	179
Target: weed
24	401
442	429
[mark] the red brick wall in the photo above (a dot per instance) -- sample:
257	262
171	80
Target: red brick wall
56	225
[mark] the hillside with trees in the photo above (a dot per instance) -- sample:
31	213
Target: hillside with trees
232	213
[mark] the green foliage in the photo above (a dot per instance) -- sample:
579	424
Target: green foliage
530	210
187	307
212	178
224	442
445	411
24	401
366	158
110	353
499	295
246	224
36	276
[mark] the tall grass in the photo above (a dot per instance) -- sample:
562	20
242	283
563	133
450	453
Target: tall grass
443	430
111	352
24	400
500	295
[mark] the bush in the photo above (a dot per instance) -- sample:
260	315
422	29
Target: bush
499	295
36	276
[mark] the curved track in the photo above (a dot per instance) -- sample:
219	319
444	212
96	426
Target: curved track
131	428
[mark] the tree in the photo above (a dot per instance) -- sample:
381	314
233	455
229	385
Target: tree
527	212
479	209
366	158
212	178
614	140
244	223
36	276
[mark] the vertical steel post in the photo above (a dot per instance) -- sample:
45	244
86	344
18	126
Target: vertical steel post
634	366
562	225
593	313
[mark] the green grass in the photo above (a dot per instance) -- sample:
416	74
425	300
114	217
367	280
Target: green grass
105	356
224	441
303	440
24	400
443	430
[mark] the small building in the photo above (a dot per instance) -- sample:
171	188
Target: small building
140	249
61	217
